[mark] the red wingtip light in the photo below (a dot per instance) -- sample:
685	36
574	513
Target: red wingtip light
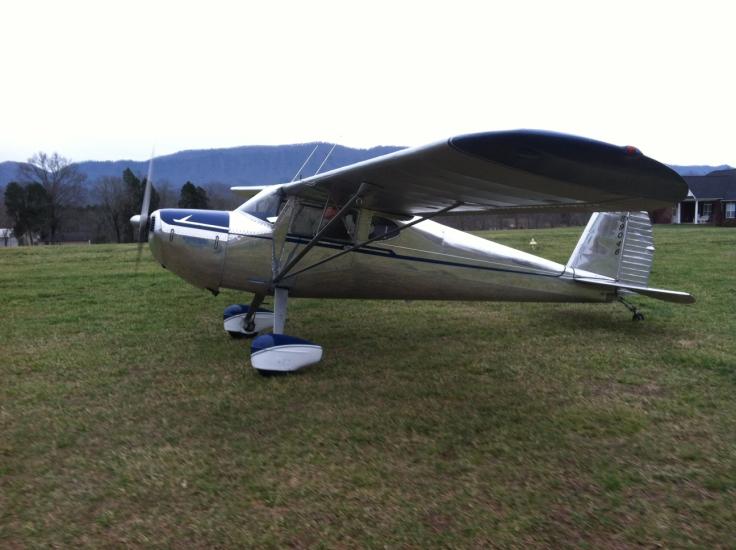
631	150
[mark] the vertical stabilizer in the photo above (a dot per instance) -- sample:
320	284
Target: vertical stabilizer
617	246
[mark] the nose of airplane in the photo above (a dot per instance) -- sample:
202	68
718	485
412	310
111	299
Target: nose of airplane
190	243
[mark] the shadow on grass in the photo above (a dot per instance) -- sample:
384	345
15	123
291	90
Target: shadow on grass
608	319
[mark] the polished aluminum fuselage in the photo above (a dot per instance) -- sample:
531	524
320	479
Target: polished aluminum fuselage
427	261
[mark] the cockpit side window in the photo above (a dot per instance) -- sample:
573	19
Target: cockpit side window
265	204
309	219
305	222
383	228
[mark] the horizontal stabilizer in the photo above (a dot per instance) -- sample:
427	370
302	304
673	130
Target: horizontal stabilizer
658	293
248	191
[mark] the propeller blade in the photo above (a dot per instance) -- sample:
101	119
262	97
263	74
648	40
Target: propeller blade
143	223
142	220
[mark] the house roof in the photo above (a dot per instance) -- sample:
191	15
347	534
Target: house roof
720	184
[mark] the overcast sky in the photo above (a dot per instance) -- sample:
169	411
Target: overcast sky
108	79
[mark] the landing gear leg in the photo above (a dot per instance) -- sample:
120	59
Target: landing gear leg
638	315
278	353
280	302
249	322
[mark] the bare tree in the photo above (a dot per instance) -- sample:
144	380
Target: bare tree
62	181
166	193
220	196
113	197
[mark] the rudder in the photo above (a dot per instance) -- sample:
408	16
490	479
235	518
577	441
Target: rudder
617	246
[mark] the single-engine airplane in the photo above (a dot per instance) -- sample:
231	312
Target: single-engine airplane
365	231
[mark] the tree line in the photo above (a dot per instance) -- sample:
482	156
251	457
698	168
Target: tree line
49	197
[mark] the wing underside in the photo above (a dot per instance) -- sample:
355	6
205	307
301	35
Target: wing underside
522	170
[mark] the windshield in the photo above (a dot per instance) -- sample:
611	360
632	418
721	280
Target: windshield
266	204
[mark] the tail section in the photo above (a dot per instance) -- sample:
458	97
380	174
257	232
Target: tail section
616	250
616	245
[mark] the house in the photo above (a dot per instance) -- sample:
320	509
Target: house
711	199
7	239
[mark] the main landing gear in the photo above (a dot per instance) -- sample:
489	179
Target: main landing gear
638	315
275	353
240	323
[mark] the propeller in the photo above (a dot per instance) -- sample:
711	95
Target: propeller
142	219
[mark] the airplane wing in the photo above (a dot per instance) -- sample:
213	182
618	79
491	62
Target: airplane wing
511	171
249	191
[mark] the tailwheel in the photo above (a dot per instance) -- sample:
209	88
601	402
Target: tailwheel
638	315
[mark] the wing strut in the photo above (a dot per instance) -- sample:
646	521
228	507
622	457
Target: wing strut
369	241
337	218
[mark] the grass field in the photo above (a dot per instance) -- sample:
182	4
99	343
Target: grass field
127	416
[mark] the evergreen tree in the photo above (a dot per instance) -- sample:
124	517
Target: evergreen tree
193	196
29	208
134	190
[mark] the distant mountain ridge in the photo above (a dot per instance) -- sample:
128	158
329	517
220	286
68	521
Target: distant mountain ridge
698	170
250	164
246	165
8	172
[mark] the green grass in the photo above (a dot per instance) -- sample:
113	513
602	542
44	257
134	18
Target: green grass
127	416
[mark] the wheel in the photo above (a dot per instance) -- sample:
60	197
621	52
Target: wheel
638	316
249	331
